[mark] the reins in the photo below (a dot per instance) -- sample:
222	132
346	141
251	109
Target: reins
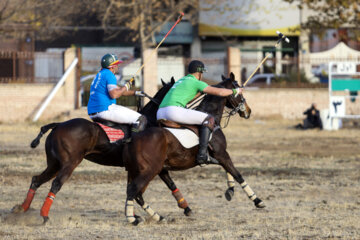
152	99
139	108
239	107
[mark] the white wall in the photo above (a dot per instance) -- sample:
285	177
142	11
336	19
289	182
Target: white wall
48	66
167	67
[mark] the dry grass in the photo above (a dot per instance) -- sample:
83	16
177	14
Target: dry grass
309	180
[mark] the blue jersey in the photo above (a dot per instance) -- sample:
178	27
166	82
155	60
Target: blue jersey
100	99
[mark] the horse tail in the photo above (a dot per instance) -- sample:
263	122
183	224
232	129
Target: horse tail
43	130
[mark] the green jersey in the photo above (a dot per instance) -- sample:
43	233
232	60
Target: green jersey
183	91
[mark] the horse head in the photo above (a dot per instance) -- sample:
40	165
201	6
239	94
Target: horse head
236	104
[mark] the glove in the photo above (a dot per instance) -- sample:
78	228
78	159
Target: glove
237	91
127	85
139	94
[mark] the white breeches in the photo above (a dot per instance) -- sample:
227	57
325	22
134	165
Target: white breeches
119	114
181	115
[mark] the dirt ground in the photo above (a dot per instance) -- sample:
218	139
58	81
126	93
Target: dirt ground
309	181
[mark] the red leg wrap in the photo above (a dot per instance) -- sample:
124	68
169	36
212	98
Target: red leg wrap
29	197
47	204
182	203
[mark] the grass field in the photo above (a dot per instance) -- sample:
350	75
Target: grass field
309	181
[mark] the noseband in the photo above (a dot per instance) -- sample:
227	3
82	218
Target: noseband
240	107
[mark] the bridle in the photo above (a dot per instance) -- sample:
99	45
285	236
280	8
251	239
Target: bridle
237	107
240	107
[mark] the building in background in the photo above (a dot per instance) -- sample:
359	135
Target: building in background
251	26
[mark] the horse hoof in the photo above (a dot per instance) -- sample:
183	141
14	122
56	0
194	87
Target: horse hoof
46	219
137	221
258	203
229	194
187	212
17	209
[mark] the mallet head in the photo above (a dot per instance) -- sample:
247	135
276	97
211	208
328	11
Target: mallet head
282	36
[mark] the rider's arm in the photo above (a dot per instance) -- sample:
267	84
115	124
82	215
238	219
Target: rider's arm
120	91
223	92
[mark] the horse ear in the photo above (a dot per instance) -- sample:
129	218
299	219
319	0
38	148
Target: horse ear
223	77
232	76
172	80
162	82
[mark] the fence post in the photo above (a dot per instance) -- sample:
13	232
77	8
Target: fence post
55	89
234	61
150	78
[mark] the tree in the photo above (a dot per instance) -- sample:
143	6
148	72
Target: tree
145	17
138	19
343	15
329	13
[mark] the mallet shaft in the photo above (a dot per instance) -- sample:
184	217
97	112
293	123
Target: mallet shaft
267	56
145	61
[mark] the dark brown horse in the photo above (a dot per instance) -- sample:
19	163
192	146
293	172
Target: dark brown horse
155	151
71	141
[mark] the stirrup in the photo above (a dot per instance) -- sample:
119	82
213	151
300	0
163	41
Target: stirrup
209	160
202	161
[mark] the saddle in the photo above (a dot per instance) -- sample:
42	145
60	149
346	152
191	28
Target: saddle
115	131
171	124
188	139
187	135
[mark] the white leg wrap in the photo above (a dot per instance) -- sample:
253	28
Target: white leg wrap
230	180
248	190
151	212
129	211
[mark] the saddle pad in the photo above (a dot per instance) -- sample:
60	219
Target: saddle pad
112	133
186	137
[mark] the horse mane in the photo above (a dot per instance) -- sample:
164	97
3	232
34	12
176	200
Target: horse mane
150	109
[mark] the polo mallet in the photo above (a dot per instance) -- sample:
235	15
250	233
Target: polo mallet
145	61
281	37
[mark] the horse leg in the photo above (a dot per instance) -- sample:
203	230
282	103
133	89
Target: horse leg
182	203
135	188
56	185
230	168
153	215
231	184
36	182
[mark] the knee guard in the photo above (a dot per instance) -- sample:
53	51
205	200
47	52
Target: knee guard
140	124
209	122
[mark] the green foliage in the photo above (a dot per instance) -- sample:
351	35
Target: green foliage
329	13
293	76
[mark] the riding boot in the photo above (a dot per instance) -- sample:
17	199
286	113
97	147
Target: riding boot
139	125
202	156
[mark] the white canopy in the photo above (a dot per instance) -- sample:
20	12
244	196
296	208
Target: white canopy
340	51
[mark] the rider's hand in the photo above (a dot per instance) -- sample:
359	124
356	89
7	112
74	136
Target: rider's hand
237	91
139	94
127	85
